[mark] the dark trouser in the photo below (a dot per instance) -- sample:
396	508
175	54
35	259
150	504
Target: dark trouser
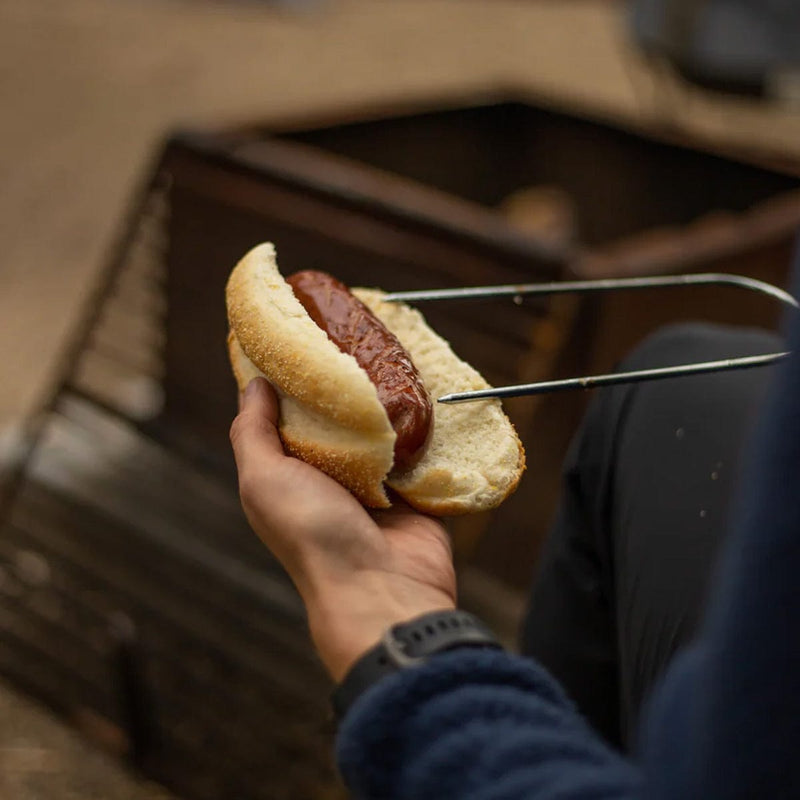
647	483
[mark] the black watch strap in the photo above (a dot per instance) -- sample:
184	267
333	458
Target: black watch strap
408	644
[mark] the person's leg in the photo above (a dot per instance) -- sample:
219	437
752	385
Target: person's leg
622	576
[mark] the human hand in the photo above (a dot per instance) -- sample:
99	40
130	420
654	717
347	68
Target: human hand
358	572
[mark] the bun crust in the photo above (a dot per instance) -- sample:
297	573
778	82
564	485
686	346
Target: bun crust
330	415
285	344
358	461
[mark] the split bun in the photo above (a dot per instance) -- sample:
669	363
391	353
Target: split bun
330	414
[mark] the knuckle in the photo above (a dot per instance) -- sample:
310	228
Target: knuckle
237	429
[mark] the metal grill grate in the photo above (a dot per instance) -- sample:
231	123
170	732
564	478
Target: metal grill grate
121	363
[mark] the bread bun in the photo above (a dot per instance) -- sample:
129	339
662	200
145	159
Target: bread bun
330	415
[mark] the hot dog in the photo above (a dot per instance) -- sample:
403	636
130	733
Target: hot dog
330	376
354	329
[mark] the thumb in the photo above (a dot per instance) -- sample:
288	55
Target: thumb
254	432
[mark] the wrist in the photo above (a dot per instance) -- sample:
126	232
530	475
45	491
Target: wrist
347	619
410	644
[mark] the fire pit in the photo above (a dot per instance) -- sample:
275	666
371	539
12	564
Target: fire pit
133	597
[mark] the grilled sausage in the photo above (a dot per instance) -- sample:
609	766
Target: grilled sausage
355	330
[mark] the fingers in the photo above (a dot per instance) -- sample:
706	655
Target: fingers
254	433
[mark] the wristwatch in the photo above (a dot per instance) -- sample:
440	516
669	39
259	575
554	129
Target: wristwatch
409	644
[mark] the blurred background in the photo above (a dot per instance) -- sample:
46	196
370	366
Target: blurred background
148	646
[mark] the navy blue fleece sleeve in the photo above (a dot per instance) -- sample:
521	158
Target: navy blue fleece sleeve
726	722
475	725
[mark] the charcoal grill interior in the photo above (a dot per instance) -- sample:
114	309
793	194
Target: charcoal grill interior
133	597
621	182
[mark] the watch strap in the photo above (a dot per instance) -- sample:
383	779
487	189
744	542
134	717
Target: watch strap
408	644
